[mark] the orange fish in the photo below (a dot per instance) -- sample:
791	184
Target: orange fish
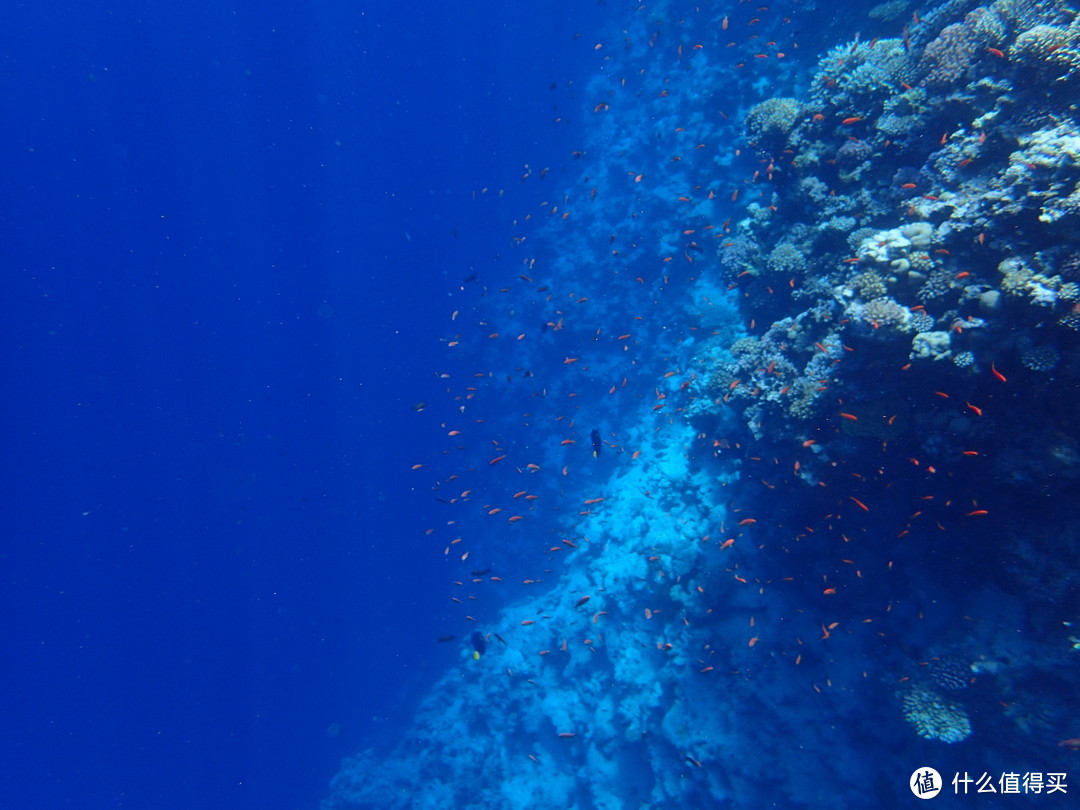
860	504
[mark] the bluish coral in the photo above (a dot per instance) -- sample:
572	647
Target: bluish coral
769	123
934	717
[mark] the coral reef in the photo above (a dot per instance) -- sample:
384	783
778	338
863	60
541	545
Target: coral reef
935	717
769	123
831	341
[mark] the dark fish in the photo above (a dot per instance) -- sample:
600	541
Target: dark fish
597	443
478	644
480	573
470	277
444	639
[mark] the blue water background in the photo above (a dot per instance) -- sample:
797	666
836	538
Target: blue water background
226	233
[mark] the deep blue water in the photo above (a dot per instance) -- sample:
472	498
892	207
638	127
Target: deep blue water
225	232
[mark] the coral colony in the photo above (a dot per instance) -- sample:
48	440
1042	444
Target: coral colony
758	482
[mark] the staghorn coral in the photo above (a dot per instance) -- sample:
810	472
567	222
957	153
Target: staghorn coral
934	717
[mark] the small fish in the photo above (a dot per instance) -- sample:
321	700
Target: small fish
597	443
